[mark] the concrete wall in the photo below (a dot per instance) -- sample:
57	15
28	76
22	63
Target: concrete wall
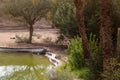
118	41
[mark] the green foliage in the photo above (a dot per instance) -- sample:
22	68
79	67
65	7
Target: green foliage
21	39
115	69
115	19
95	63
94	48
64	18
27	10
83	74
116	7
62	73
76	58
115	74
92	16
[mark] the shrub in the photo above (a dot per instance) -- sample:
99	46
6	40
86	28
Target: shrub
21	39
115	74
62	73
47	40
37	35
76	58
83	74
115	69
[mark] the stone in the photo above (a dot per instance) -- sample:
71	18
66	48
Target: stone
12	37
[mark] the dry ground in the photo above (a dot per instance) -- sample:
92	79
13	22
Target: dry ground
6	36
8	31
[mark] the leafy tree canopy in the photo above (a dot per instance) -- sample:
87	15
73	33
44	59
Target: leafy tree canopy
30	10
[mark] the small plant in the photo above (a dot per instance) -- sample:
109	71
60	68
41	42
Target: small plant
62	73
95	62
37	35
47	40
21	39
34	34
82	74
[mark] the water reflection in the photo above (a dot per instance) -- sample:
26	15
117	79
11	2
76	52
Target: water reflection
27	67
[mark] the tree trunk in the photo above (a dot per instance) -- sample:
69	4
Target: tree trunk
30	33
82	28
106	36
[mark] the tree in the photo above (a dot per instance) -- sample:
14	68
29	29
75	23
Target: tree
92	16
64	18
82	28
29	10
106	35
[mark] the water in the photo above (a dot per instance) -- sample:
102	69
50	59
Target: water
23	66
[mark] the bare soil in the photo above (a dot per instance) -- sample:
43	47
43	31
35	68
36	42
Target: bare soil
42	32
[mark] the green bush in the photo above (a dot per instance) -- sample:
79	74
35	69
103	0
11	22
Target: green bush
83	74
76	58
64	18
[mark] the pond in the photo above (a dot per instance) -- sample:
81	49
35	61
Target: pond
23	66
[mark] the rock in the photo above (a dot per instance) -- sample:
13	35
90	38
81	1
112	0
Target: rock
12	37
